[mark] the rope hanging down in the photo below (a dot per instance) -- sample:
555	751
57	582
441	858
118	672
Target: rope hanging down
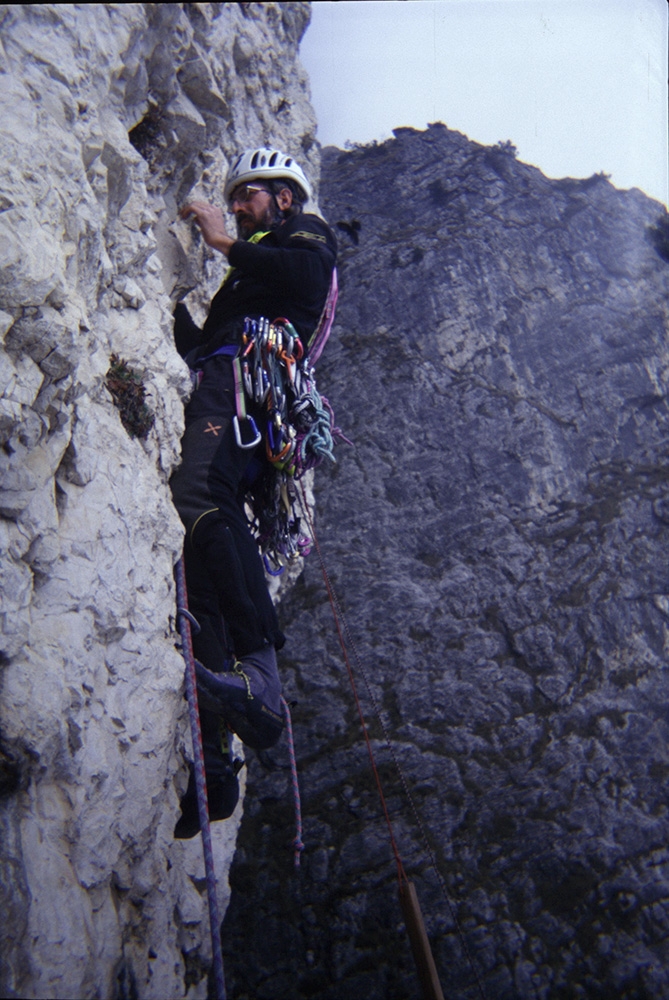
407	893
401	874
297	842
184	621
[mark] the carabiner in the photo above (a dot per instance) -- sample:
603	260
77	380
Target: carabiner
272	572
263	327
248	381
289	362
257	436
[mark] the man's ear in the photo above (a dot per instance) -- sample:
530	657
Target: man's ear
284	199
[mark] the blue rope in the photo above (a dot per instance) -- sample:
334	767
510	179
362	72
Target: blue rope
200	782
318	439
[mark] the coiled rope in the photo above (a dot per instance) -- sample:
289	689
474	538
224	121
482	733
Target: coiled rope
184	619
342	628
318	439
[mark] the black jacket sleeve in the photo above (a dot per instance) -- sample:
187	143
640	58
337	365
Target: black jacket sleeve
298	258
187	334
287	273
302	264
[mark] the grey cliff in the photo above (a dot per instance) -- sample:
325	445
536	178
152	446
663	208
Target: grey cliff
499	541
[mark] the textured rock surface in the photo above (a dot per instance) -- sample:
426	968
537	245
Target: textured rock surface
498	540
109	114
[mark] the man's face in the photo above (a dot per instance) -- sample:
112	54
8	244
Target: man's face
254	209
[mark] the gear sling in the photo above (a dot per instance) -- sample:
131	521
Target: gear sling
276	373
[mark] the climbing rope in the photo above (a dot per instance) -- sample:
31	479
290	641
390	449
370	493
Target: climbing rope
317	442
184	621
338	618
297	842
343	629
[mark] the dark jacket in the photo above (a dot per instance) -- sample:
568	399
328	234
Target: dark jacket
287	273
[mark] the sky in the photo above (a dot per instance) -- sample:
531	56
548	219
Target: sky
578	86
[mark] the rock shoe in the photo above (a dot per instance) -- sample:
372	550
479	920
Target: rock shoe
248	697
222	797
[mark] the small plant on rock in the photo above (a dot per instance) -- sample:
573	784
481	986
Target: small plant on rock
128	392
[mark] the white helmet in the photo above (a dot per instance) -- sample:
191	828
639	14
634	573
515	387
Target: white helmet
264	164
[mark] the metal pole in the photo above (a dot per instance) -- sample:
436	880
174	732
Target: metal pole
420	945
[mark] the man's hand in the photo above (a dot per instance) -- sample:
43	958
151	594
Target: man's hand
210	220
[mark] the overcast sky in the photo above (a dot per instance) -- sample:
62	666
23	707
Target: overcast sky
578	86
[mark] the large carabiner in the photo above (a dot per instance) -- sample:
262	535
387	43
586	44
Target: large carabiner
256	435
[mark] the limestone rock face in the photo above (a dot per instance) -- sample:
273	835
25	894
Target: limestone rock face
498	542
109	114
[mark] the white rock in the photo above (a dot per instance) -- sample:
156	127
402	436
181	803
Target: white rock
20	381
6	320
130	292
91	702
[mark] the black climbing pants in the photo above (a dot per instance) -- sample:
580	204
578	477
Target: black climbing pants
225	578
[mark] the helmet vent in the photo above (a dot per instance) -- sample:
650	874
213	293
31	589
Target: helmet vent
265	163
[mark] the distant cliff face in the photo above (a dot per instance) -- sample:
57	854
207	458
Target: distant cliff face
109	114
499	541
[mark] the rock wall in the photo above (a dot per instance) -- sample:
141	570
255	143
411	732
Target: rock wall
109	114
498	541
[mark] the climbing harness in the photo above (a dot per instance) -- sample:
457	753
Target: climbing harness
275	373
185	619
420	945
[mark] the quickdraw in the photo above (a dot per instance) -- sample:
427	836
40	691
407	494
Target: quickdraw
273	372
276	376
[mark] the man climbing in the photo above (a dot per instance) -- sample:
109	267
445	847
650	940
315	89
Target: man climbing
281	265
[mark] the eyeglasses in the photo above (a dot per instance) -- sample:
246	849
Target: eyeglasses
244	193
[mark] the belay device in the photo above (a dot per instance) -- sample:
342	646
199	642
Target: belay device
276	374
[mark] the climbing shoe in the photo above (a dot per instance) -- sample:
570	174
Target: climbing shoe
221	770
248	697
222	797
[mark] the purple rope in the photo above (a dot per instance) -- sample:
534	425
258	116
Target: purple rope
297	842
200	782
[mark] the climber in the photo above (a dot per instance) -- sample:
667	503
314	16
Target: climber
281	264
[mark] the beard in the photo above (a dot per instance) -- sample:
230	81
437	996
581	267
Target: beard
247	224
